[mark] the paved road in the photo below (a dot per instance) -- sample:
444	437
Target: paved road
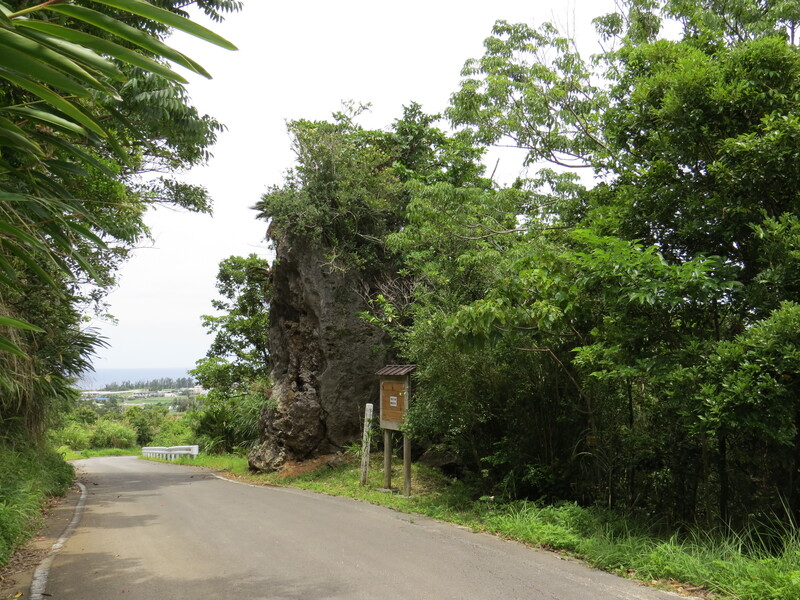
166	532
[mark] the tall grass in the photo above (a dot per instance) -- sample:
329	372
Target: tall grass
28	476
745	565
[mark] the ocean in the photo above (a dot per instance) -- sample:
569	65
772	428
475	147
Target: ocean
103	377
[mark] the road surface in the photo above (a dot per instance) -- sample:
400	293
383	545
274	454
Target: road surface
152	531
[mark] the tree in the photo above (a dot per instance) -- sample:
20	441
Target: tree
87	101
589	313
348	190
239	354
236	368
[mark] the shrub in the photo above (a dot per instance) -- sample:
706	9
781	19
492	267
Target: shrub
174	432
74	435
111	434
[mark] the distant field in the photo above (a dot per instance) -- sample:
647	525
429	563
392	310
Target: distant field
154	400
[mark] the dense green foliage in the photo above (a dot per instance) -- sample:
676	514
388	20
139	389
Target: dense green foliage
630	342
217	425
348	190
87	429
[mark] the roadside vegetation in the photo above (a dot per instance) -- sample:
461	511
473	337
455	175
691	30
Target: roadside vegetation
29	475
216	426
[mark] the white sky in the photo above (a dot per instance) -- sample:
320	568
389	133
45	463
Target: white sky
296	60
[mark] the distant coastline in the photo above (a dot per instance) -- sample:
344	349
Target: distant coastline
103	377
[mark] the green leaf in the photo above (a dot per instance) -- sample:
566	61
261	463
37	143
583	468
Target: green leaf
24	46
19	324
126	32
83	54
80	155
13	60
104	47
147	10
16	232
12	197
88	234
62	168
7	274
11	348
58	102
18	137
44	116
31	261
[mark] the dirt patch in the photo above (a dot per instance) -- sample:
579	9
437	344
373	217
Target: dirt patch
296	468
24	559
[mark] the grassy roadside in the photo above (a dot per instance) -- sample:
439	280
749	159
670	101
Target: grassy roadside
730	566
29	476
70	454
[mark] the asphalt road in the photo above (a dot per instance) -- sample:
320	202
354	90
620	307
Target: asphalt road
166	532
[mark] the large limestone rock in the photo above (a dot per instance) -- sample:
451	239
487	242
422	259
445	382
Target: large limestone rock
324	359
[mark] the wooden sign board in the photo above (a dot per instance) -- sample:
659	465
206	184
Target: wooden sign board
395	385
394	401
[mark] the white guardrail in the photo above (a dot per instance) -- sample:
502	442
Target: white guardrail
170	453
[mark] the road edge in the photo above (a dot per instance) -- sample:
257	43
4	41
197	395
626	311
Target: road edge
42	572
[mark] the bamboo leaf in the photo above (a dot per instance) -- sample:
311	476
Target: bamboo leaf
126	32
80	155
61	168
58	102
16	232
12	59
57	61
81	53
12	197
47	185
7	346
19	324
7	275
104	47
44	116
147	10
32	263
86	233
18	137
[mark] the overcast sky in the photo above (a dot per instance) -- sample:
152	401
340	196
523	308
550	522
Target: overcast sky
296	59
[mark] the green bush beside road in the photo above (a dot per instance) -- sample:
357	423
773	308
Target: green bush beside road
28	476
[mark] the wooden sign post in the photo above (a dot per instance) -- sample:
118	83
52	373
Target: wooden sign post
365	444
395	386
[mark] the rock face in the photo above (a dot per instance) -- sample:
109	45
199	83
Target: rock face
324	359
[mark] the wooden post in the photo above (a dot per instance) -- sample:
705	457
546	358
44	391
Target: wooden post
387	459
406	465
365	444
